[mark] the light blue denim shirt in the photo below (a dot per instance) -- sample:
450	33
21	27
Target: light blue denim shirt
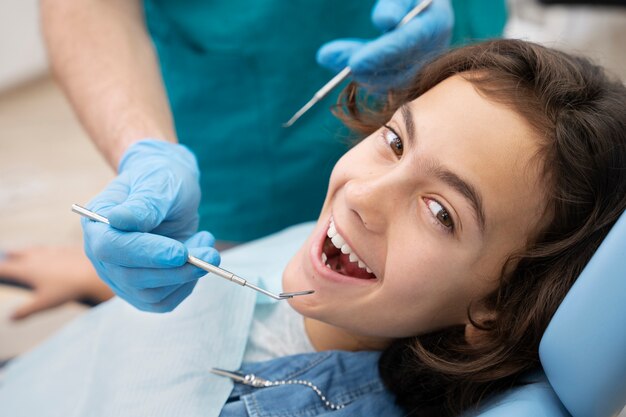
349	380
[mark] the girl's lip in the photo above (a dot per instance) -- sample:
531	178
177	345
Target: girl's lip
322	270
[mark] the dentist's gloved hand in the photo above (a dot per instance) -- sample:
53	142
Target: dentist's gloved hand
147	270
152	206
392	59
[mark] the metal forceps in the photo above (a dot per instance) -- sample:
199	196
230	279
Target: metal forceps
202	264
344	73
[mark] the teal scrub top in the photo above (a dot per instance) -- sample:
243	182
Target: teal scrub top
477	20
234	71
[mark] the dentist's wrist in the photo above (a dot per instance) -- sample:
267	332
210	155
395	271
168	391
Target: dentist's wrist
138	152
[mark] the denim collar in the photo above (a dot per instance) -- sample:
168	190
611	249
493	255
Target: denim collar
350	379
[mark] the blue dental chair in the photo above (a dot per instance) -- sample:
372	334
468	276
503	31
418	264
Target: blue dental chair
583	351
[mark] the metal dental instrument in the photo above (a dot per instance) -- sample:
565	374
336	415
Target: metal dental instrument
202	264
344	73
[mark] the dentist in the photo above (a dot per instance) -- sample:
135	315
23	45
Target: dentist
169	90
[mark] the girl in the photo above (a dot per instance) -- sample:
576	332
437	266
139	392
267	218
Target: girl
459	224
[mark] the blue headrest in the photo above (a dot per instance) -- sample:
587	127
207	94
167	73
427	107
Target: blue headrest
537	399
583	351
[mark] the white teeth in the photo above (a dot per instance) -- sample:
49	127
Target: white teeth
331	230
340	243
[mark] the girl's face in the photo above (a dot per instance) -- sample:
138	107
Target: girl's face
432	204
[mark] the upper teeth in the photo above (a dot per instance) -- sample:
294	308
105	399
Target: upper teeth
341	244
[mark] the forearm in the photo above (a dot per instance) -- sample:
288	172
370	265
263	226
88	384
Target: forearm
104	60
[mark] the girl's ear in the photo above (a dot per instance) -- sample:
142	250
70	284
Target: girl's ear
481	317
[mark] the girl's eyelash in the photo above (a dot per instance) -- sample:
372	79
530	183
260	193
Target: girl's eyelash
386	126
397	146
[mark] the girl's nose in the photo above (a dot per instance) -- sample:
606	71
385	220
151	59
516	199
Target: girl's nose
372	199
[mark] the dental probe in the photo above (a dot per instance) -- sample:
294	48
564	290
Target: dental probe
200	263
344	73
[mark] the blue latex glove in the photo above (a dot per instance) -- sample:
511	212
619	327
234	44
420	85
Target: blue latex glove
152	206
392	59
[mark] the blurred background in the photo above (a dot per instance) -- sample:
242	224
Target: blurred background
47	162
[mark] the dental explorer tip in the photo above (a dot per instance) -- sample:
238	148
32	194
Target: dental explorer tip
291	121
295	117
303	110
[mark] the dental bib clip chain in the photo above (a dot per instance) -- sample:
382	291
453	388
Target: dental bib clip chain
258	382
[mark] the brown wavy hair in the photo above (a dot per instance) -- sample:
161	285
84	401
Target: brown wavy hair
579	113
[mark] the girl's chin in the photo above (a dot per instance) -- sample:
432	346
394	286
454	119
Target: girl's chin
294	276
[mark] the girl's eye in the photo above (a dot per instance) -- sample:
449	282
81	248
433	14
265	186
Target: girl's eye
440	213
394	141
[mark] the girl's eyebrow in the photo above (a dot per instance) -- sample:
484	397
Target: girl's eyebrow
467	190
409	125
453	180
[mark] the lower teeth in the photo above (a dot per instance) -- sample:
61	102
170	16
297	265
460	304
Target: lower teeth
336	268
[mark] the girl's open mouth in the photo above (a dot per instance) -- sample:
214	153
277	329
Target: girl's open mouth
338	256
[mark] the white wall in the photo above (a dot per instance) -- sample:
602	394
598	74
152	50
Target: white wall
597	32
22	54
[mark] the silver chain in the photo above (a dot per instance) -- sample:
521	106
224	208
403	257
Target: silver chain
255	381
